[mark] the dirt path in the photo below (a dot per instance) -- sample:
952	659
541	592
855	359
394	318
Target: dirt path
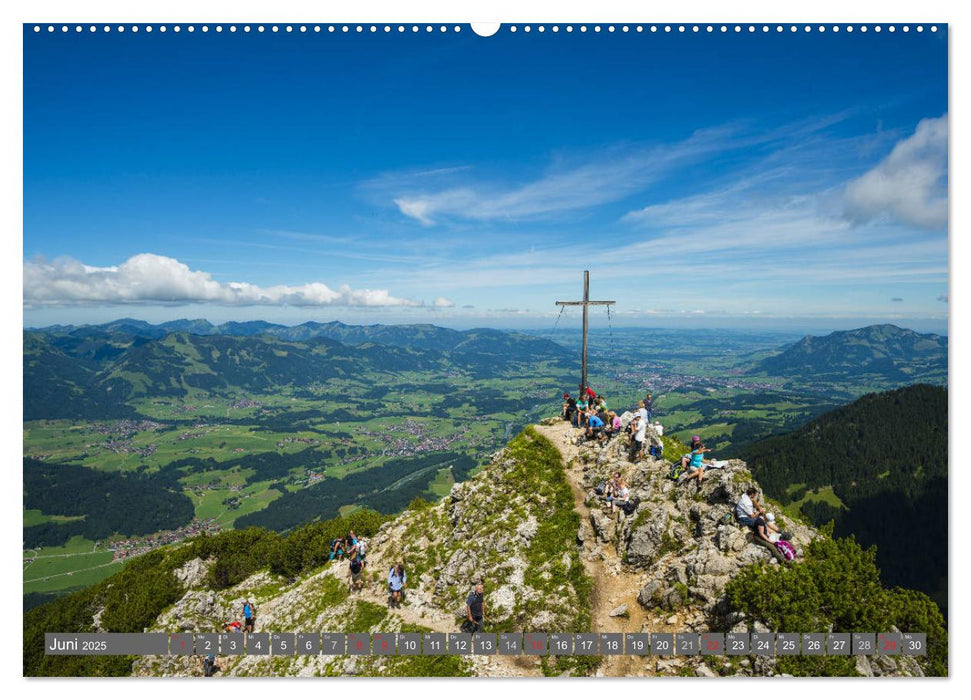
613	585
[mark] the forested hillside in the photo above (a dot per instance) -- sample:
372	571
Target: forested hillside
884	458
105	503
874	354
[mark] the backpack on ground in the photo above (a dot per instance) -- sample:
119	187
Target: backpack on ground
601	488
677	469
209	666
656	451
786	549
630	506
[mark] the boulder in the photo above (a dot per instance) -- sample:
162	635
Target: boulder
648	536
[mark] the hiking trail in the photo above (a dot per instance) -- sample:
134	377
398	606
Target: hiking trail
438	621
613	583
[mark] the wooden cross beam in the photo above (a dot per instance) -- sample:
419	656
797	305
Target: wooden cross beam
586	304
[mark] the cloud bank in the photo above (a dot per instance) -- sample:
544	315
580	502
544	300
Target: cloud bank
909	185
156	279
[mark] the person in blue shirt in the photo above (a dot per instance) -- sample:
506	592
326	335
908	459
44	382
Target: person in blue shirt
696	464
397	579
595	426
249	615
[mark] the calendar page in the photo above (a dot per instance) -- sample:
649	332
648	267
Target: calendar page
523	349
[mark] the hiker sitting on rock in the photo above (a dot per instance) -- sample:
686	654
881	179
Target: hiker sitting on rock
569	407
621	494
616	425
612	487
773	530
397	579
748	508
761	538
595	427
234	626
696	463
686	459
581	414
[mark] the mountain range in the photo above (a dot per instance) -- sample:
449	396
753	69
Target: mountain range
881	353
552	557
94	371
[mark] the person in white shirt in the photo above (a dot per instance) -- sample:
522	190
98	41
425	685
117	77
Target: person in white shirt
747	508
639	434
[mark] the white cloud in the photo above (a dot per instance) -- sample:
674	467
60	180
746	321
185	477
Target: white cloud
443	303
909	185
156	279
605	177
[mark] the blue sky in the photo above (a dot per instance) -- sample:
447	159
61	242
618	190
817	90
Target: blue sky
750	180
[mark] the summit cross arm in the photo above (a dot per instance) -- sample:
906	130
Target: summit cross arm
586	304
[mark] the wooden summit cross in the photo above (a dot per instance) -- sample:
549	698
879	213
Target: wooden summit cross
586	304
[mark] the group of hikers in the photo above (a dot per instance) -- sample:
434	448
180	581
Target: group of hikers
249	620
590	414
209	665
355	549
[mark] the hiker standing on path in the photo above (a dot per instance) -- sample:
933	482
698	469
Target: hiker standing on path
249	616
397	579
475	608
355	570
209	666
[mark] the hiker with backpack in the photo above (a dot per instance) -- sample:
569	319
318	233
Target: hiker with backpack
338	548
748	509
209	666
475	609
249	616
397	579
355	571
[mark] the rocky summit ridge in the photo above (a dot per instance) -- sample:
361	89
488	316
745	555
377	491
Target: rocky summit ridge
552	558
